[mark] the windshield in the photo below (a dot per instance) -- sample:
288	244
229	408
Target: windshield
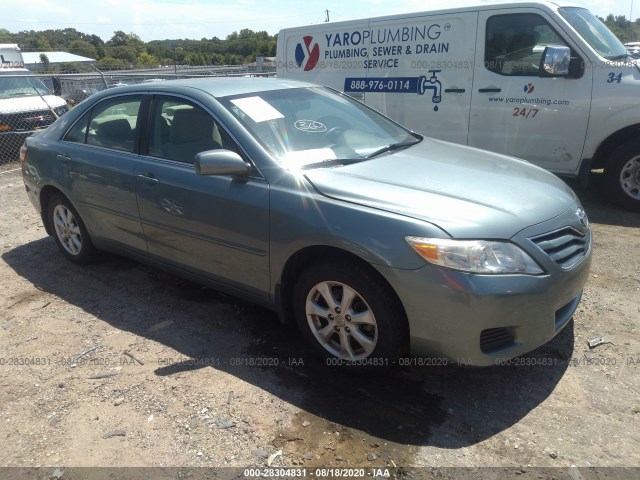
311	127
594	32
20	85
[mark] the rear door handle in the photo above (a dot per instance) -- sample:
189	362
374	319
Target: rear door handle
64	157
147	178
490	90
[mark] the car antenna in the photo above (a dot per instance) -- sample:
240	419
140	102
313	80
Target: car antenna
46	103
101	74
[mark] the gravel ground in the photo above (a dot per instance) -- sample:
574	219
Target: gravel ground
117	364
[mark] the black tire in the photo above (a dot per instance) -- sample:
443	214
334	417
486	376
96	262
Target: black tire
622	175
347	340
69	231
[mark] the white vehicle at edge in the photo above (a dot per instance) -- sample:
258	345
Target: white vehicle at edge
26	105
543	81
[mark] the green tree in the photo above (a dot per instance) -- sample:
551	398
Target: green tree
83	48
42	44
110	63
121	39
68	67
622	28
146	60
46	65
5	36
126	53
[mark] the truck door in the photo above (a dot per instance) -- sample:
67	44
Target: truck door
516	111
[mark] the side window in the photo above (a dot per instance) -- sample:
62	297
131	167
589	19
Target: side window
113	123
180	129
514	43
78	132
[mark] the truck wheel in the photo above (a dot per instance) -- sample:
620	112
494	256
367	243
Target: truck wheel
69	231
349	316
622	174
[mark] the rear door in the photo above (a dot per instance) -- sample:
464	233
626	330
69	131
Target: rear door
98	154
514	110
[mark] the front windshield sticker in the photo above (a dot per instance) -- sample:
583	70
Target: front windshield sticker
310	126
257	109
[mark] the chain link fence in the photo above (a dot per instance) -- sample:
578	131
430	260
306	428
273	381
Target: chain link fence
29	103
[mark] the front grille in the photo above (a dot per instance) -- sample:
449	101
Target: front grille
566	246
28	121
495	339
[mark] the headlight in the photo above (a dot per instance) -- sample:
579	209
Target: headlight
61	110
475	256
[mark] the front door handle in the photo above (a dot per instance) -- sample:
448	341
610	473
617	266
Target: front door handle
148	178
490	90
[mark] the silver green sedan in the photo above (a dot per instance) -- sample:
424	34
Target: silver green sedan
374	240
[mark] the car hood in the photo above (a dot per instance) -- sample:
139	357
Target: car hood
29	103
470	193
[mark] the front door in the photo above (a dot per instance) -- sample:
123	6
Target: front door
514	110
214	226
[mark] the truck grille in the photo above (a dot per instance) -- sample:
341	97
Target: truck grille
28	121
566	246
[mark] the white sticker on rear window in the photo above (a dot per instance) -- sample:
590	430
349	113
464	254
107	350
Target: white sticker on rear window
257	109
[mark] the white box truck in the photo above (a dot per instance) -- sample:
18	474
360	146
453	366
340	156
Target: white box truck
10	56
543	81
26	105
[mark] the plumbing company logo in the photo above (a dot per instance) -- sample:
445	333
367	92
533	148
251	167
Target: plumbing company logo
529	88
307	55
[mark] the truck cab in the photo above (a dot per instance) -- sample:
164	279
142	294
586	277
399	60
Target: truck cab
26	106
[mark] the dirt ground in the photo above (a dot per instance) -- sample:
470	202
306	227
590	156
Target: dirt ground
120	365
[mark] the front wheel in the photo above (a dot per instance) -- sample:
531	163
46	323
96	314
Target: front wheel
69	231
622	174
350	316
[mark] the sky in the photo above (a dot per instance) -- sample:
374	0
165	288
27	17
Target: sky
197	19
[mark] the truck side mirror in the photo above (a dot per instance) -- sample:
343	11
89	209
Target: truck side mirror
555	61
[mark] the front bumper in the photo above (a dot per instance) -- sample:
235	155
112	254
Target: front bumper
483	319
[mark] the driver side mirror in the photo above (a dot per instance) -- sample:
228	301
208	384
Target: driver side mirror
555	61
220	162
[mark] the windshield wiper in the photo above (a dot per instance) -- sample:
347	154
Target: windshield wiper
619	57
331	163
392	147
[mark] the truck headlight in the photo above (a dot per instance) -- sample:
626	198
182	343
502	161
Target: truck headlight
475	256
61	110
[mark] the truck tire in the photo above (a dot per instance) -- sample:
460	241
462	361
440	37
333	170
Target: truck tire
622	175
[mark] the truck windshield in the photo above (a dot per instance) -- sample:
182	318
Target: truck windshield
594	32
20	86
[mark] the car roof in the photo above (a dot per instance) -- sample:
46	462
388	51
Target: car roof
14	71
217	86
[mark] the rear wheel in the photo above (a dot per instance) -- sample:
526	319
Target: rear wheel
69	231
350	316
622	174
